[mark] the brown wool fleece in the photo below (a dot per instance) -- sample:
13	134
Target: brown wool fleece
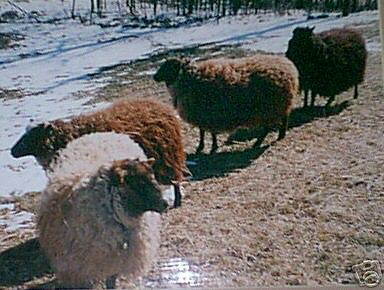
151	124
223	94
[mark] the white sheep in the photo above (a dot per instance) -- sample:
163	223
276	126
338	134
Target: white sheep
99	215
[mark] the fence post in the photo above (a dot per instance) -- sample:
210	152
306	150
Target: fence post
381	12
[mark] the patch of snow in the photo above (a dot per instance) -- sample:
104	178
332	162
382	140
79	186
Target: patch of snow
16	221
277	40
7	206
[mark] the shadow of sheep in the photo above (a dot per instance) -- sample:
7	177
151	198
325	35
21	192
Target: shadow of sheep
298	117
218	164
22	263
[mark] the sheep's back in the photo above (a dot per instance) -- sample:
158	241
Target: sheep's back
155	127
221	95
85	155
346	56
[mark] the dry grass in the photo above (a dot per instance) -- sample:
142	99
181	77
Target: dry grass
300	212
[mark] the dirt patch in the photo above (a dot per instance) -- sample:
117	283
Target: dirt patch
8	94
9	40
300	212
134	80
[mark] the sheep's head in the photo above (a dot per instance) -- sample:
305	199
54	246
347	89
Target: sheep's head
39	141
302	40
301	47
169	71
137	186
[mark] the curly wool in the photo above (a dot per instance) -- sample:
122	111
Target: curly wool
151	124
83	228
329	62
224	94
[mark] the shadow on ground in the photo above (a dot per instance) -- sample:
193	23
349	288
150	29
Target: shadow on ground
218	164
204	166
298	117
23	263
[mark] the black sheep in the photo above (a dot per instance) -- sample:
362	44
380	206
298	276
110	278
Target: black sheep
329	62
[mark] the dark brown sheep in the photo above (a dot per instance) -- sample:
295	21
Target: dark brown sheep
329	62
152	125
221	95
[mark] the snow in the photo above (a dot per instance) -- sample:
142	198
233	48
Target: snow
8	206
17	220
56	60
276	40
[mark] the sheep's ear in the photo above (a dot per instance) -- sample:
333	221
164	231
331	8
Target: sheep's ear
47	125
185	60
119	171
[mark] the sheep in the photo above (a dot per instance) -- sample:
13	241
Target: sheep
221	95
329	62
99	215
153	125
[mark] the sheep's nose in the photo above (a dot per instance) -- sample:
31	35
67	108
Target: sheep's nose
15	151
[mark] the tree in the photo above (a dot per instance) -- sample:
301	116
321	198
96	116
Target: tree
346	8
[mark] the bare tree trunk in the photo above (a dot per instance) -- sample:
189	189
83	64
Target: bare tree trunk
346	7
98	4
354	6
154	7
73	9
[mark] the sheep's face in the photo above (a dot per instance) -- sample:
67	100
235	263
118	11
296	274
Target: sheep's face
168	71
138	187
37	141
302	38
304	34
300	46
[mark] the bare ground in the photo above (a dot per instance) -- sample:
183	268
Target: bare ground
300	212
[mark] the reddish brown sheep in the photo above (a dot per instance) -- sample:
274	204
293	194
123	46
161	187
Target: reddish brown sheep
152	125
221	95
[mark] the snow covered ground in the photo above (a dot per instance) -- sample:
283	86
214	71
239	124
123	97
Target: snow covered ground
56	60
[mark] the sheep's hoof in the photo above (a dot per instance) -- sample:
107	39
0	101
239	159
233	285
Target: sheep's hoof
213	150
110	282
199	150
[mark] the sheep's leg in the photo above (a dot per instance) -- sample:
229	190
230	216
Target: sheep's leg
177	201
214	143
261	137
283	128
306	97
201	143
330	100
313	95
110	282
356	94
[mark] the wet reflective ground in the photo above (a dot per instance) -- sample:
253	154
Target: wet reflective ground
177	272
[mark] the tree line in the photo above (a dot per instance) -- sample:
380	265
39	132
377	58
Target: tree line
220	8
